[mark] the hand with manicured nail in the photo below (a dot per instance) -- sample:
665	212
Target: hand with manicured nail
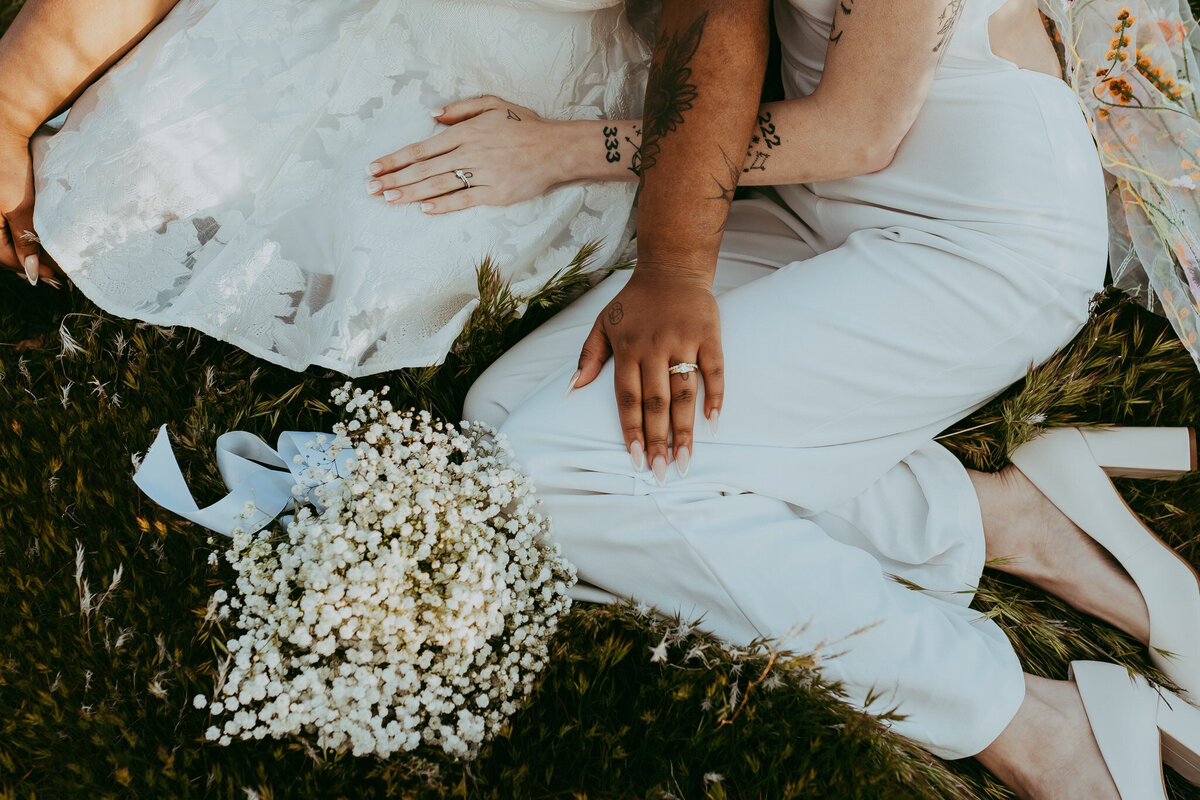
657	321
19	248
508	153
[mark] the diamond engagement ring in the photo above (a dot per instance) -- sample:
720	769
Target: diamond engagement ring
683	369
464	177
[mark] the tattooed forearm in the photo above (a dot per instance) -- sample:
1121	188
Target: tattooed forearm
843	9
612	144
513	115
669	90
946	24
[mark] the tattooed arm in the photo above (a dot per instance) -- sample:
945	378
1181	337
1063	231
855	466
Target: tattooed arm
702	97
878	71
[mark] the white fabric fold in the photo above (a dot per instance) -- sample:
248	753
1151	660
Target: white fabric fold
263	482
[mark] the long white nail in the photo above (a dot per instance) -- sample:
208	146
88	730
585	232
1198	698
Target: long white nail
660	470
31	269
373	187
638	455
391	195
683	460
52	282
437	112
374	169
714	421
574	380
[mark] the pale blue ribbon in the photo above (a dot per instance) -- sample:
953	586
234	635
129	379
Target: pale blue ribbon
254	473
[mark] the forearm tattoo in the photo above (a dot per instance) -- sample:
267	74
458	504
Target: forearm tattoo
513	115
612	144
669	90
727	183
844	8
635	161
761	143
946	24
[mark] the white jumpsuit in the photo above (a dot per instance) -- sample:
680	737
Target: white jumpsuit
886	308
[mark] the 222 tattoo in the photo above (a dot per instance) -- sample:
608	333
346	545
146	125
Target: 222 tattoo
669	89
766	137
612	145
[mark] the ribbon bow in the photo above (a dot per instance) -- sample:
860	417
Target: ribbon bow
271	480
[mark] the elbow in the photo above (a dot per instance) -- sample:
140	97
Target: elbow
879	153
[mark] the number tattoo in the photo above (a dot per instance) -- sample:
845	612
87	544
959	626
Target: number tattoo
670	91
616	313
612	145
513	115
843	10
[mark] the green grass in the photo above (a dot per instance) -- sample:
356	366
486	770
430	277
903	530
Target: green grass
97	705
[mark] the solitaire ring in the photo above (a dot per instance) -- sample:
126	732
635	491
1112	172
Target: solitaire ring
683	369
464	177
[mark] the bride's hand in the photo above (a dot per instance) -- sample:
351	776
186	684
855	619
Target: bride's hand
19	249
507	152
657	321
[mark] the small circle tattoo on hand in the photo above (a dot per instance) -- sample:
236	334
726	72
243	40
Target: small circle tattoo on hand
616	313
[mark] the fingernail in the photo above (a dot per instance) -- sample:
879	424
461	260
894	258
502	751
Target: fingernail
638	455
660	470
52	282
714	420
393	194
375	169
683	460
427	207
437	112
31	269
574	380
374	186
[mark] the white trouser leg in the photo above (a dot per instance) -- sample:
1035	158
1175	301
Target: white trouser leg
840	369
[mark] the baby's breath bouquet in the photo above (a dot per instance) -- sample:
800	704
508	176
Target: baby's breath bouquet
410	603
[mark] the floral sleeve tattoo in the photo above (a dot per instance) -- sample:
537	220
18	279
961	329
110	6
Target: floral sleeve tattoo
670	91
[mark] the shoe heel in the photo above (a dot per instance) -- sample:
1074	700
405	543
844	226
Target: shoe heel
1179	726
1143	452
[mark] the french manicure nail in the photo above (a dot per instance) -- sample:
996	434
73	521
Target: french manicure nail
31	269
683	460
714	419
394	194
437	112
374	186
638	455
52	282
427	207
574	380
375	169
660	470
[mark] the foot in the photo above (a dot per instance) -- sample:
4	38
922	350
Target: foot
1029	537
1048	751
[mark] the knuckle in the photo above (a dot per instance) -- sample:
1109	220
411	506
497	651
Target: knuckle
655	404
655	440
683	395
416	152
717	371
628	401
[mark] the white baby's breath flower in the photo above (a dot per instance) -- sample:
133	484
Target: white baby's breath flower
411	604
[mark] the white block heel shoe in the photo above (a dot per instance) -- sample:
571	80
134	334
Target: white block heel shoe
1071	466
1138	728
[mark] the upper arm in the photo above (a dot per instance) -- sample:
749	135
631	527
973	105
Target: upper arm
880	66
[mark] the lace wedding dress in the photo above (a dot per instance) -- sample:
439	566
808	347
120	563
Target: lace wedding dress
216	176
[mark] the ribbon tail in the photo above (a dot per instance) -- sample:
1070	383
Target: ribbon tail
269	491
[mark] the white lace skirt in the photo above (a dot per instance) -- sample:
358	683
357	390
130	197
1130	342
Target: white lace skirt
216	176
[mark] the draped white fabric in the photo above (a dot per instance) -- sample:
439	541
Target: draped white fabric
216	176
1134	65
